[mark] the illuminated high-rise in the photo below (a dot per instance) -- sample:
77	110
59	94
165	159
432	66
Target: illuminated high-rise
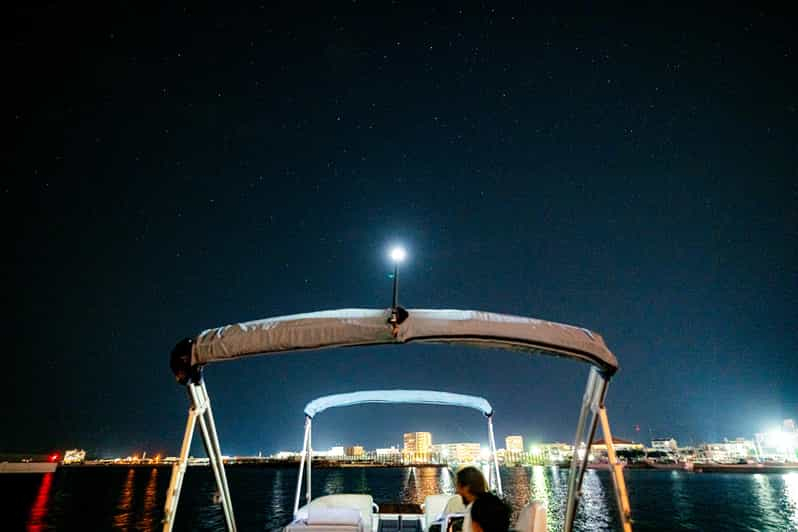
514	444
417	446
463	453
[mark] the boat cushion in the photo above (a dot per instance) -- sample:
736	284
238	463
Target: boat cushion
532	518
333	516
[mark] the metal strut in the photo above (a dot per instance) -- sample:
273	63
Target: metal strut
302	465
593	406
492	442
200	410
616	468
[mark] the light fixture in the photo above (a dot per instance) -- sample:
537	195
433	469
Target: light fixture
398	254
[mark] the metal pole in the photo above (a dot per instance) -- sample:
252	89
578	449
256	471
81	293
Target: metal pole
597	397
310	457
621	496
301	466
578	466
179	471
218	450
492	441
395	284
213	459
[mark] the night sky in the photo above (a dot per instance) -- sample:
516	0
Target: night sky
170	169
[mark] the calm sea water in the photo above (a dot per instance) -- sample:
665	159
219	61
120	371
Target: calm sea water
102	499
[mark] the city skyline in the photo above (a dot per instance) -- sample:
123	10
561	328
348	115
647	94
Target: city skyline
419	447
356	448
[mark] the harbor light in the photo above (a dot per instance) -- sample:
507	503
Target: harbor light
398	254
779	440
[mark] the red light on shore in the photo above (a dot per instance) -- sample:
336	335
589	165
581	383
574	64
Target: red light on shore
54	457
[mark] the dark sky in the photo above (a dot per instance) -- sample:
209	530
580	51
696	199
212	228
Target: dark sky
171	169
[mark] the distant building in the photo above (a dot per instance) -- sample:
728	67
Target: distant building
728	451
332	452
388	452
355	450
74	456
626	450
417	446
619	444
337	451
514	444
667	445
779	445
554	453
280	455
458	452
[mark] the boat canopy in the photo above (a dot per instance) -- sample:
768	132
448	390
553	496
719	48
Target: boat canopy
358	327
389	396
425	397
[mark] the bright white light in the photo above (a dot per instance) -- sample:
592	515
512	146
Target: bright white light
398	254
777	439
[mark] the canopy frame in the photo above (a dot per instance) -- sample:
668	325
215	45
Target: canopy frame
358	327
200	410
593	409
362	327
427	397
416	397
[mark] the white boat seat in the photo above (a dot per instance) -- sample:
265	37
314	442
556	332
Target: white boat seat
436	505
532	518
455	505
319	515
305	526
363	505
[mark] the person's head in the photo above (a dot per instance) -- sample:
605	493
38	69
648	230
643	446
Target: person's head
470	484
490	514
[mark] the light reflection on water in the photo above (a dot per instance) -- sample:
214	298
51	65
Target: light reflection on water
277	492
263	498
549	485
123	514
149	510
791	498
447	482
335	482
594	512
420	482
362	485
38	511
681	501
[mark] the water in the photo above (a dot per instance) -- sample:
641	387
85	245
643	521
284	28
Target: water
101	499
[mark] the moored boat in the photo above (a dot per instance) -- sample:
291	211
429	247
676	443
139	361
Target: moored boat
745	468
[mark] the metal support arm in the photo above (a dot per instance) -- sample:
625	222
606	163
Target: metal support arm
200	410
492	442
616	468
302	458
593	406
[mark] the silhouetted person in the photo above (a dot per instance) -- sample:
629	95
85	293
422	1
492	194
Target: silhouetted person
470	484
490	514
